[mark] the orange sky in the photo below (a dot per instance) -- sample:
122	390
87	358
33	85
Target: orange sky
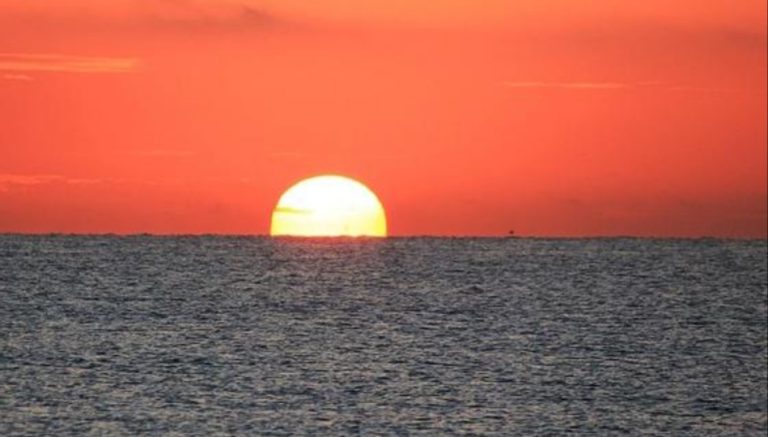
550	117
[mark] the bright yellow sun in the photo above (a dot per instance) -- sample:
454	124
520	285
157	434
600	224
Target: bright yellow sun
329	206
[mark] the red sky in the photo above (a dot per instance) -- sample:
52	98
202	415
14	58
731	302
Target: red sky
550	117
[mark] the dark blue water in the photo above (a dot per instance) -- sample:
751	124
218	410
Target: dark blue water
203	335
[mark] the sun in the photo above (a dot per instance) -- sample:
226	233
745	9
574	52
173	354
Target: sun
329	206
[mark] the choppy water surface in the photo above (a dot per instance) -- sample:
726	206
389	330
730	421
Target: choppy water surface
201	335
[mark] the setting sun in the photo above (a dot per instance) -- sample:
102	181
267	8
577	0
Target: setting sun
329	206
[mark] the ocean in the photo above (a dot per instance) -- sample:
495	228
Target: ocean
107	335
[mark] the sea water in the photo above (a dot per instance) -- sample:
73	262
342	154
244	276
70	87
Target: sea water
248	335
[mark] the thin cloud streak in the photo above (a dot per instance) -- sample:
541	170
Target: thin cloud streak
17	77
290	210
12	181
177	153
47	62
9	181
615	86
16	179
570	85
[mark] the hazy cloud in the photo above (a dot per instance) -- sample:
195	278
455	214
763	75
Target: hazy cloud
64	63
241	19
104	18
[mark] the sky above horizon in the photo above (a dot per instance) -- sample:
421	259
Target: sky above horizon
549	117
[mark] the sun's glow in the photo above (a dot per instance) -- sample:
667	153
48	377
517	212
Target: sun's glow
329	206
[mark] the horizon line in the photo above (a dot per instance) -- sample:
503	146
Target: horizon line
403	236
